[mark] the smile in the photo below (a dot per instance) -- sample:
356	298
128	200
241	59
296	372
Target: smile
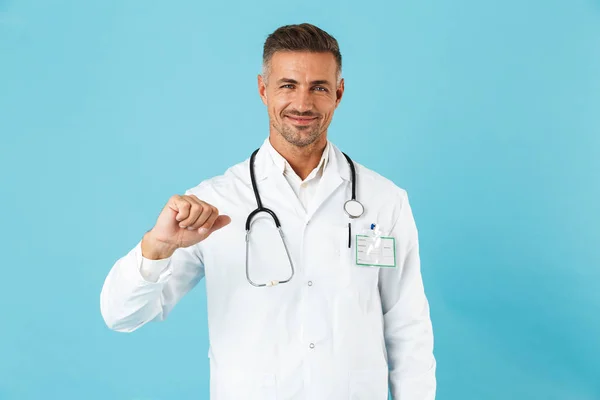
301	120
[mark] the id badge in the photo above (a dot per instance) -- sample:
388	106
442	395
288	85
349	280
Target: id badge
374	250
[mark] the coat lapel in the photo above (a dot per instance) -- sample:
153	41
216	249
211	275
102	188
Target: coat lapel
333	177
274	190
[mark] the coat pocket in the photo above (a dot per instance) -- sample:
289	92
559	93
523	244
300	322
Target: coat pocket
233	384
368	384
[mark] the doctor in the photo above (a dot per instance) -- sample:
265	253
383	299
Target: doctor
333	328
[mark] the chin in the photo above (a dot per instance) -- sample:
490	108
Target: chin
303	140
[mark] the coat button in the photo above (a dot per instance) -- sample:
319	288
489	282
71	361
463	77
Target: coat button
309	283
312	346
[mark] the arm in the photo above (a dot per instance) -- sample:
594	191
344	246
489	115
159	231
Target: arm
408	329
138	290
147	283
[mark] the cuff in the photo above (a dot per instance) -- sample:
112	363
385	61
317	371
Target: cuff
152	271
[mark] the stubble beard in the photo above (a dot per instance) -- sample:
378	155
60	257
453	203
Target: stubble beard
299	136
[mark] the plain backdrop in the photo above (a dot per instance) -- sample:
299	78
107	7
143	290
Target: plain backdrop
486	112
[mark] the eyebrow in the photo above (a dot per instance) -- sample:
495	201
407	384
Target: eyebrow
295	82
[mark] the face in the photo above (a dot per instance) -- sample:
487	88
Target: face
301	95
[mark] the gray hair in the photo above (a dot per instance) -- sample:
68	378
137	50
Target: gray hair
302	37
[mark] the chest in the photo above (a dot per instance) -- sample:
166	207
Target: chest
310	249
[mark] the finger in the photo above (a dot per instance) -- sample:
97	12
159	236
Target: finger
196	202
195	211
205	228
180	206
194	197
207	212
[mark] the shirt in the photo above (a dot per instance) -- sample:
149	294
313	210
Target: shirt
306	189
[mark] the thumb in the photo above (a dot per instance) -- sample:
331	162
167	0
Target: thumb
220	222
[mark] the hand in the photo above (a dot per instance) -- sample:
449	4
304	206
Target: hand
183	222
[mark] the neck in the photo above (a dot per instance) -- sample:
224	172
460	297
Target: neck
302	159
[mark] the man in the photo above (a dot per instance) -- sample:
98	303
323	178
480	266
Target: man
337	329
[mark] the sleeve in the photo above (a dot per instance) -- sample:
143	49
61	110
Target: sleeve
134	294
407	324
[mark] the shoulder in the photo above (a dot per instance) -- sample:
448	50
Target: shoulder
235	175
378	182
369	182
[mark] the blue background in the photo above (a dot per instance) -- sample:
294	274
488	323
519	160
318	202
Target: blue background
486	112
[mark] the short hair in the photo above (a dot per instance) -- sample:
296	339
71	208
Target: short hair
301	37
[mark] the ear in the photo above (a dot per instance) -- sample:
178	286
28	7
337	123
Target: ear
262	89
339	92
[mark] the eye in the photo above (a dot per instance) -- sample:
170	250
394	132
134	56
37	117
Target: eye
288	86
320	89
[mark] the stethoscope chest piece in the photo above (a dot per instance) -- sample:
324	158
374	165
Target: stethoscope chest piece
354	208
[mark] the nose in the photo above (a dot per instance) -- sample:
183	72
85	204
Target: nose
303	101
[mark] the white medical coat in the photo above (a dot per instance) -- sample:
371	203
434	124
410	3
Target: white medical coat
335	331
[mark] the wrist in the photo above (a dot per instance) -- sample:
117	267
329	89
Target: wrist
154	249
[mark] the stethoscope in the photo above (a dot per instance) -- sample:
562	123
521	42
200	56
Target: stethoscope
352	207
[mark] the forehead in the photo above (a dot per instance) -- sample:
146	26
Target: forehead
299	64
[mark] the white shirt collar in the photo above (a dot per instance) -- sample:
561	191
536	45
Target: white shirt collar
285	168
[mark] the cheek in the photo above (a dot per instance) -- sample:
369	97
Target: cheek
328	110
326	105
275	112
276	105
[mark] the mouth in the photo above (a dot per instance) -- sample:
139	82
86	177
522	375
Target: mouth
301	120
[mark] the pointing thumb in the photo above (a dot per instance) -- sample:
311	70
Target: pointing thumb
220	222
